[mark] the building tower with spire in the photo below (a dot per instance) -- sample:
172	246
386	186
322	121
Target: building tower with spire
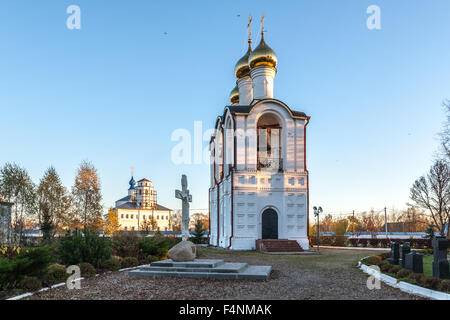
259	185
140	205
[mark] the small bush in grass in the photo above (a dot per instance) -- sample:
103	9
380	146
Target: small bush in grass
385	266
87	270
56	273
374	260
404	273
394	269
151	258
430	282
112	264
129	262
445	286
126	244
30	284
416	277
385	255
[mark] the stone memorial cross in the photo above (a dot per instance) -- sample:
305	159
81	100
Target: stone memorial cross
185	198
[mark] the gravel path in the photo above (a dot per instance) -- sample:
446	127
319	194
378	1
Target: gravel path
331	275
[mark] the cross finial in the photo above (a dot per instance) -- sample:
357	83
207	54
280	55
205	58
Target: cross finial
249	28
262	25
132	171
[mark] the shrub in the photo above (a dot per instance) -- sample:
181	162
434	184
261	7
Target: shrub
32	263
445	286
430	282
385	255
374	260
129	262
418	277
385	266
151	258
126	245
56	273
87	270
404	273
157	246
394	269
9	251
30	284
77	247
112	264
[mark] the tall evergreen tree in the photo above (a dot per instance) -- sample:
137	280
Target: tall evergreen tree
198	231
55	198
47	225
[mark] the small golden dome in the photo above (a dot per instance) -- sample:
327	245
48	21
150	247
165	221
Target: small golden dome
242	68
262	55
234	95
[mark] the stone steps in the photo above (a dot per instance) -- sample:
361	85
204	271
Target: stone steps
278	245
203	268
228	267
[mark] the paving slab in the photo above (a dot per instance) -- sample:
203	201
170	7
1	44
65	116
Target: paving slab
197	263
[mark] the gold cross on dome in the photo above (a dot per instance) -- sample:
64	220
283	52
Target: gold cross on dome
262	23
249	27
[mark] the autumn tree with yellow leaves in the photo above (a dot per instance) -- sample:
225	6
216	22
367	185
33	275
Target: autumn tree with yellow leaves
111	222
87	196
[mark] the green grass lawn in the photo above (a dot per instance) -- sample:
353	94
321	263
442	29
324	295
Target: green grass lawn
428	265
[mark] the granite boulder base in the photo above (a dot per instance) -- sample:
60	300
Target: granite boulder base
183	251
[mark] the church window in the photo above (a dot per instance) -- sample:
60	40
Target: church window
132	216
126	228
157	217
132	228
127	216
122	216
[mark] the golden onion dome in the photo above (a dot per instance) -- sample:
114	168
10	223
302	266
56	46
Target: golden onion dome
242	68
262	55
234	95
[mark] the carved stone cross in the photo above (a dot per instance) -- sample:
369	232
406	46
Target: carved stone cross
185	198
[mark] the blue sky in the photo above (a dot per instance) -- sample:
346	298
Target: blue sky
114	91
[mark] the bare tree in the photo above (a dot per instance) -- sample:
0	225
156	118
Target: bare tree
371	221
445	134
432	193
149	224
177	221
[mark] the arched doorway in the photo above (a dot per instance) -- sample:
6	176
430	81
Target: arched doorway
269	224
